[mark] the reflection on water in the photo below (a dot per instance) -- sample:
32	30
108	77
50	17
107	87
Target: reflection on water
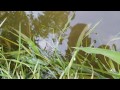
45	27
50	22
13	20
48	28
74	35
106	30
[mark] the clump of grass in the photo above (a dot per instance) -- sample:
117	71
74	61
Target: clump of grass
34	63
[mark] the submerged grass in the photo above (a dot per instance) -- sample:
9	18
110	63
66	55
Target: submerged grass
34	63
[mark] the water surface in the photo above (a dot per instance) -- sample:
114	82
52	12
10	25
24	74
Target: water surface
47	27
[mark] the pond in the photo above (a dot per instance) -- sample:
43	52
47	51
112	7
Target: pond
48	25
106	30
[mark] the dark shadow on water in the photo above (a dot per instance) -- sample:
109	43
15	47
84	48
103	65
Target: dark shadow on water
81	56
73	38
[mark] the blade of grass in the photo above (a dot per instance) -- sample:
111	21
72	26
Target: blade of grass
6	72
93	28
114	55
35	69
9	40
79	42
66	25
29	42
3	22
18	55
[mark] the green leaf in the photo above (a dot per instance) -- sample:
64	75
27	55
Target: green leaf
29	41
114	55
2	22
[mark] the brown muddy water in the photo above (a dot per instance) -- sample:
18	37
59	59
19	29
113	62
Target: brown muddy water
105	31
47	27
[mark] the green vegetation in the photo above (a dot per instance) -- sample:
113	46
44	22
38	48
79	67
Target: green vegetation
31	62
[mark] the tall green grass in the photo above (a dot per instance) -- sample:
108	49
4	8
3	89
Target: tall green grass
31	62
